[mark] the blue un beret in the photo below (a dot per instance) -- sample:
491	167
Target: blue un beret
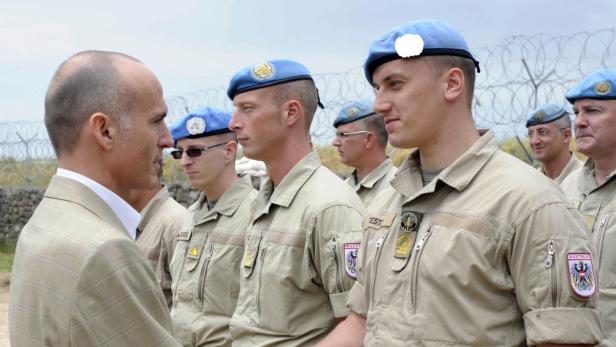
353	111
598	85
417	38
207	121
546	114
266	74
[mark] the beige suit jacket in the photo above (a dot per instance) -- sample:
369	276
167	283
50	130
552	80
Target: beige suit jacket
79	280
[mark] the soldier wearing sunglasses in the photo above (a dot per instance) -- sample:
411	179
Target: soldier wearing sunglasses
205	266
361	140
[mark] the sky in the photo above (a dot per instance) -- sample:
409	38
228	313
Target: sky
194	45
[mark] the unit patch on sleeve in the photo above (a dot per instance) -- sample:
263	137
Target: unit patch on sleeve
350	258
581	274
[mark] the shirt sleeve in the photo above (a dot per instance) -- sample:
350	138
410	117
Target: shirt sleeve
337	237
549	244
118	300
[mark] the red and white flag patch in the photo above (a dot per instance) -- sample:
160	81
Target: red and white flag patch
581	274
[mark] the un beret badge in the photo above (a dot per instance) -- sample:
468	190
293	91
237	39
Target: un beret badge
539	116
352	111
409	45
195	126
603	88
263	72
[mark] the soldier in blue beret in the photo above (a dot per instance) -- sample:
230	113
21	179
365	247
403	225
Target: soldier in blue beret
361	140
205	265
549	135
469	246
301	249
592	188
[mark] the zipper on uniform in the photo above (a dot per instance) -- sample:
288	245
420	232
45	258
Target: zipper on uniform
549	264
377	257
206	264
337	261
415	260
599	237
261	257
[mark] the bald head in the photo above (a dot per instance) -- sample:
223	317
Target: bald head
86	83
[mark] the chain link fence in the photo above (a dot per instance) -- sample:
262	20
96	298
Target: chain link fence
518	75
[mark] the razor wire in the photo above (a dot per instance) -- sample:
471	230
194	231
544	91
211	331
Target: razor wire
517	76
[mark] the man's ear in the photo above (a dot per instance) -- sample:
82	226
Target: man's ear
567	134
292	112
454	84
104	130
371	140
230	151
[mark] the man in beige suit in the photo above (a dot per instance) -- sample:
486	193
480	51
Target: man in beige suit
162	219
78	279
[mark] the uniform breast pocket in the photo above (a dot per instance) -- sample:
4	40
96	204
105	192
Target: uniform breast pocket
605	235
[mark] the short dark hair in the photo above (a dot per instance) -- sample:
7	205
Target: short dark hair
304	90
376	124
86	83
440	63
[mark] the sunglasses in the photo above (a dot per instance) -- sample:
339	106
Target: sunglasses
193	152
351	133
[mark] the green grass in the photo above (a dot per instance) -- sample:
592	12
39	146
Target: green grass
7	252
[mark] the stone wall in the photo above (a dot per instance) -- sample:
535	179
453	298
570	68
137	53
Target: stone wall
18	204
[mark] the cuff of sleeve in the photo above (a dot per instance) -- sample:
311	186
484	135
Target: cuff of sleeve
355	300
578	325
337	300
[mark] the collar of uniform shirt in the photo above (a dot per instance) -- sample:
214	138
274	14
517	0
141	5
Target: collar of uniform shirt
125	212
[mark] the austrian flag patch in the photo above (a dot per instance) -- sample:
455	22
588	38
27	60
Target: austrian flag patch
350	258
581	274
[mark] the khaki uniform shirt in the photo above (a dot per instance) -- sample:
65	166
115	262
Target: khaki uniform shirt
573	164
374	182
598	207
161	221
477	257
205	267
79	280
299	261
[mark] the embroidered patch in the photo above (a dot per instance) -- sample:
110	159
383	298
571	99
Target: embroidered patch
581	274
352	111
409	45
603	88
350	258
409	221
195	125
250	255
263	72
184	235
193	252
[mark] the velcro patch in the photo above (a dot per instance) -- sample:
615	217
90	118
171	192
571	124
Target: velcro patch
377	221
581	274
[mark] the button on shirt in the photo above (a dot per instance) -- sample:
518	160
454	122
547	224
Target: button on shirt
477	257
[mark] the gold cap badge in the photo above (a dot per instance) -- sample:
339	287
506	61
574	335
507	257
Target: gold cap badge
263	71
603	88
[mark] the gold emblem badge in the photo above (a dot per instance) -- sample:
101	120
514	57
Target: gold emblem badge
539	116
352	111
263	72
404	244
194	251
603	88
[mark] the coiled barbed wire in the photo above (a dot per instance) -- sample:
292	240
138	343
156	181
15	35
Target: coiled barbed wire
517	76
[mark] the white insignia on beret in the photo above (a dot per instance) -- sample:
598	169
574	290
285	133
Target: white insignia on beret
352	111
603	87
263	72
195	125
409	45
